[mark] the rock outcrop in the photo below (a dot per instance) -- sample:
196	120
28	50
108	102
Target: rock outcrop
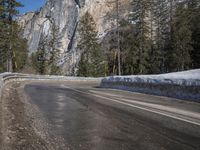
65	14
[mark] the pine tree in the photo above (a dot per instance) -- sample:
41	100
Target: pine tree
160	14
128	49
20	53
3	52
140	17
40	57
53	51
169	44
194	19
11	44
92	61
155	56
182	39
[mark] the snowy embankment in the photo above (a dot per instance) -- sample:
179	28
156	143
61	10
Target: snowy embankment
183	85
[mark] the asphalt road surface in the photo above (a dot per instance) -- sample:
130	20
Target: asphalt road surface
90	118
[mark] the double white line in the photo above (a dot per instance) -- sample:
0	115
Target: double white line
178	114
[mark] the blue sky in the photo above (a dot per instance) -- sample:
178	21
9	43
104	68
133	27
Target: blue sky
31	5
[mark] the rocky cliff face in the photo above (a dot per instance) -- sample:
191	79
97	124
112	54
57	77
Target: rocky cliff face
66	14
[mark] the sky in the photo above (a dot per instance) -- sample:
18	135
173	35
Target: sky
30	5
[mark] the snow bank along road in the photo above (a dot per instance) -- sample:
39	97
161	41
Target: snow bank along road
184	85
79	116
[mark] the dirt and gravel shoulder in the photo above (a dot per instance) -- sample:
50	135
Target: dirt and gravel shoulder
22	125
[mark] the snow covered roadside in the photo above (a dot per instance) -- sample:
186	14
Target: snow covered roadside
183	85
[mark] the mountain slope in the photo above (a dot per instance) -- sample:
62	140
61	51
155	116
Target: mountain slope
66	14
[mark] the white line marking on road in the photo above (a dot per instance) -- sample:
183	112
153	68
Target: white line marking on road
154	106
139	107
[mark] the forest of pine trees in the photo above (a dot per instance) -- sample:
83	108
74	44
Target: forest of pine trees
159	37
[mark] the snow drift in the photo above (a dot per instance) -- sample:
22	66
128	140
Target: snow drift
183	85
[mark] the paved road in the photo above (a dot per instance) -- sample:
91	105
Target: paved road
90	118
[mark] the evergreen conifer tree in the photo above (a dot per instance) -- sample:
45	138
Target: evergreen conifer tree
141	13
182	39
41	57
194	20
92	61
11	44
53	51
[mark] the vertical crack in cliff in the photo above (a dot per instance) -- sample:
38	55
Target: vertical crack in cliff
70	45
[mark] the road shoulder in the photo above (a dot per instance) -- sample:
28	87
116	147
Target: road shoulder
21	125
